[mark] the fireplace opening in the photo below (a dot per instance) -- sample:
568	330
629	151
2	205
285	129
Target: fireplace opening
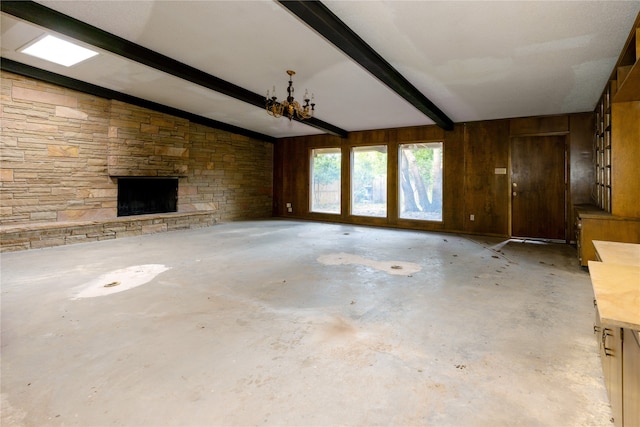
140	196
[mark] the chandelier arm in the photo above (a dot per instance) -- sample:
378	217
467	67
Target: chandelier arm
274	108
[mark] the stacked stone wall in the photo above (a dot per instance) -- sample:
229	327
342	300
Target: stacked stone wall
62	151
53	153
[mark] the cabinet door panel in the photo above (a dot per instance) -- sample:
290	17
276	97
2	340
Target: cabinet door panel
612	353
631	383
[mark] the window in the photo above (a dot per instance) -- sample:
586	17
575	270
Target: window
369	181
325	180
420	181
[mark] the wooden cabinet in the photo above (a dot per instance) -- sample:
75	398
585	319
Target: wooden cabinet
620	357
616	151
617	326
592	224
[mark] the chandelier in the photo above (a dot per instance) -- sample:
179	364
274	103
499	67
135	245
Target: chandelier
290	107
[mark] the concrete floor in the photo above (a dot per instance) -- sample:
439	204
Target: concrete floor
295	323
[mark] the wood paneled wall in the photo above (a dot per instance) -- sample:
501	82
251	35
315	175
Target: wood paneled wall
487	194
472	152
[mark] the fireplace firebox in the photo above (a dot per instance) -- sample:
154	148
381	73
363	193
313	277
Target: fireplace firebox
140	196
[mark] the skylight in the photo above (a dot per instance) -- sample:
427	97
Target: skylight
60	51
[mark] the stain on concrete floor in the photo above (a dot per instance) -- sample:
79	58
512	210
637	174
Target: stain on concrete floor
391	267
119	280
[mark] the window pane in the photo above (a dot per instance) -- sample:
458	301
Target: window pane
325	180
420	180
369	181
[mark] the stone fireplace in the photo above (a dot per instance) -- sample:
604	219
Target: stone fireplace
140	196
79	168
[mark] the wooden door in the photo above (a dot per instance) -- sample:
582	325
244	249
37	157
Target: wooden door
538	187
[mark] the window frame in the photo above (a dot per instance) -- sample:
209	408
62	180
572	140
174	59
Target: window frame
400	198
369	147
319	150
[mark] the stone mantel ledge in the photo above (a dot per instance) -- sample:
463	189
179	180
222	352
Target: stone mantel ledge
38	226
16	237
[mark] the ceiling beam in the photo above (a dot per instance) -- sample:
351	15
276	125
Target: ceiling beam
71	83
326	23
64	24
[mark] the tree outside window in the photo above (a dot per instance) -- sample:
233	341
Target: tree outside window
420	181
325	180
369	181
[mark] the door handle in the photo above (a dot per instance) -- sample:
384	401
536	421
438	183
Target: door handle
515	194
605	334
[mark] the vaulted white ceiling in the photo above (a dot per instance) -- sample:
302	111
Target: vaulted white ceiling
474	60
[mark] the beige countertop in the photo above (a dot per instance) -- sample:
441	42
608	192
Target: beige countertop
617	253
617	291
